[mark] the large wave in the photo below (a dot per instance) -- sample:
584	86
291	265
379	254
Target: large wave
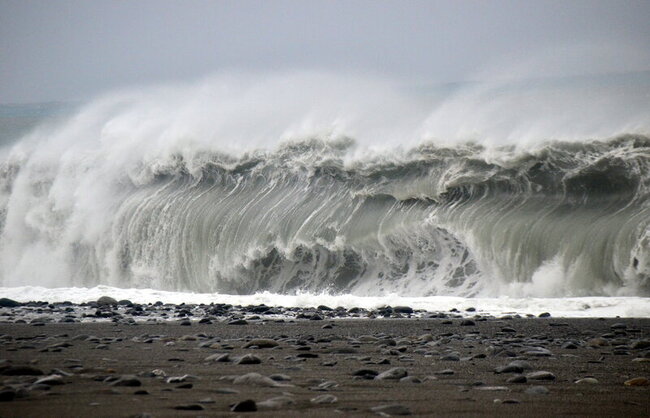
214	188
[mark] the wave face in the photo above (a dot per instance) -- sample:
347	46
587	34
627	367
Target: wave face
99	205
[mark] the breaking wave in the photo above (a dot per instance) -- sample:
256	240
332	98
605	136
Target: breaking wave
123	194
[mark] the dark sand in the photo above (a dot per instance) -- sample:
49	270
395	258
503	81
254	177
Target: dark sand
418	345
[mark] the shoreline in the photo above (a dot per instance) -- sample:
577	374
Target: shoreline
582	307
300	366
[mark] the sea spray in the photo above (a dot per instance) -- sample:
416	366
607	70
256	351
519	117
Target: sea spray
317	183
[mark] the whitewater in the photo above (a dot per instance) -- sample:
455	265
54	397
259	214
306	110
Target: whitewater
305	188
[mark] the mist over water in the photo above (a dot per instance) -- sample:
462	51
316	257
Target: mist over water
340	184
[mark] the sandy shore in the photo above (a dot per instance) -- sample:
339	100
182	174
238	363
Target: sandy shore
439	367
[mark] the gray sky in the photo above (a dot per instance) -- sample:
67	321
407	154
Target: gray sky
70	50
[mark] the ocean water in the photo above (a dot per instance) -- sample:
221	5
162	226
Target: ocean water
303	189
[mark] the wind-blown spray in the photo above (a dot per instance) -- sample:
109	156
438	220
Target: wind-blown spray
311	182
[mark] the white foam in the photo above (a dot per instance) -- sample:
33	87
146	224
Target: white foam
579	307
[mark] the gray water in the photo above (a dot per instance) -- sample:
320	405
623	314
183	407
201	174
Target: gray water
342	186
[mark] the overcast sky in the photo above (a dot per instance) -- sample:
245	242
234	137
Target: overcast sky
70	50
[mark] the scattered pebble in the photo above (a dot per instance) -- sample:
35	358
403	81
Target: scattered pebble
540	375
637	381
394	409
324	399
248	405
190	407
127	380
587	380
248	359
395	373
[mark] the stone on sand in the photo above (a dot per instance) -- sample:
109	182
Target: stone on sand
261	343
324	399
256	379
540	375
394	409
637	381
106	301
395	373
248	405
248	359
8	303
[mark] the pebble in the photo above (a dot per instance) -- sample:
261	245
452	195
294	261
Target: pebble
190	407
539	352
366	373
218	358
540	375
180	379
21	371
52	380
261	343
492	388
588	380
8	303
325	386
248	359
395	373
569	345
640	345
324	399
106	301
597	342
510	368
507	401
248	405
520	378
276	402
7	395
521	363
158	373
394	409
256	379
127	380
637	381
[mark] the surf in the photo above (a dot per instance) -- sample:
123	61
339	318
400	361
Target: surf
317	183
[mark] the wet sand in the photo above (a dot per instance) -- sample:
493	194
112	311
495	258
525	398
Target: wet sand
441	367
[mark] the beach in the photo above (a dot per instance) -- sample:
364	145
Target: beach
319	362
